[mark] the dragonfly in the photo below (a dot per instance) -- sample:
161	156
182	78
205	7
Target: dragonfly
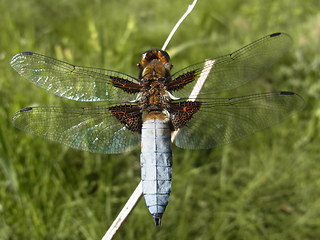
157	107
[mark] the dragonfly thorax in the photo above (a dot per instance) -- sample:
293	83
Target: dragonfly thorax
154	95
154	70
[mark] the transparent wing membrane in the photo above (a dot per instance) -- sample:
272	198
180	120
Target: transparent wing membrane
71	81
235	69
206	123
225	120
91	129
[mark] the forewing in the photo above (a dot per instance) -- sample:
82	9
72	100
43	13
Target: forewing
223	120
232	70
74	82
91	129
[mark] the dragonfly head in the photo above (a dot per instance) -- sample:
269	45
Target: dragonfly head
155	63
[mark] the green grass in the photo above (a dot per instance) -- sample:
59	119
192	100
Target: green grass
264	187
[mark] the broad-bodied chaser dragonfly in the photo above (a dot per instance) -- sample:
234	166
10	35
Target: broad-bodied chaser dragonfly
156	107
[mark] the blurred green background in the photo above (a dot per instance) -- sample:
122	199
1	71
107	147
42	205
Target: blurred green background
266	186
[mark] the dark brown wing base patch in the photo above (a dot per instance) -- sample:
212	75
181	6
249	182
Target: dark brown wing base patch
182	112
129	115
125	85
181	81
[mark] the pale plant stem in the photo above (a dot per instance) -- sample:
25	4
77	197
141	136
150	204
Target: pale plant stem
189	10
136	195
131	203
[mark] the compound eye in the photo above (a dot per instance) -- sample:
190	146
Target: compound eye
163	56
144	59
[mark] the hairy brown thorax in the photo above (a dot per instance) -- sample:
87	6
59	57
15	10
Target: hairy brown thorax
154	100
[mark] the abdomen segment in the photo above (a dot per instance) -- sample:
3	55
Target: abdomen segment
156	162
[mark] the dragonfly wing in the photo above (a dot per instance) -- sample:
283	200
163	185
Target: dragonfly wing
92	129
74	82
223	120
232	70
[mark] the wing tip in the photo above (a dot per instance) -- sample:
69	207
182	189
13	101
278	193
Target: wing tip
275	34
282	35
286	93
17	114
300	103
26	109
18	55
26	53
